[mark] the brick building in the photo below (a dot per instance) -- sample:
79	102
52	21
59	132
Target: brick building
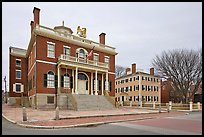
57	63
167	94
138	86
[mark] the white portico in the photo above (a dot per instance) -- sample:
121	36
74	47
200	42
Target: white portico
82	82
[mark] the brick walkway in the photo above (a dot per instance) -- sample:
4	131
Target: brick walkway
68	118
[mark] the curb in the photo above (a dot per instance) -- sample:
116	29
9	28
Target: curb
14	122
109	115
84	124
80	125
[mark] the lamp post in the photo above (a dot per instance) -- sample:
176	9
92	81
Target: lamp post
5	90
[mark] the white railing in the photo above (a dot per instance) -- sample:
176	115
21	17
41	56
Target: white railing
82	61
72	37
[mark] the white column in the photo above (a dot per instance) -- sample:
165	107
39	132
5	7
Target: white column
58	80
76	80
106	86
96	83
73	80
91	83
102	85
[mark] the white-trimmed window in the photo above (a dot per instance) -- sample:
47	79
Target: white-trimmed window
96	58
66	81
18	62
18	74
50	80
18	87
66	50
106	61
50	50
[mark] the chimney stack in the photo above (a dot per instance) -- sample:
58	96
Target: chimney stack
133	68
127	70
32	26
36	13
102	38
152	71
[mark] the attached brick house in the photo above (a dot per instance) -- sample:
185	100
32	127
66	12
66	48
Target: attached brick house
57	63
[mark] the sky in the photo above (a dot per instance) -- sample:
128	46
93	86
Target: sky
138	30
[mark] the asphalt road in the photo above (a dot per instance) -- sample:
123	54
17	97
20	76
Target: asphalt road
180	125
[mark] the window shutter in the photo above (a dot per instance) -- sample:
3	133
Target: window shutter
99	84
86	85
110	86
45	80
62	81
93	84
104	84
71	82
56	82
22	88
14	87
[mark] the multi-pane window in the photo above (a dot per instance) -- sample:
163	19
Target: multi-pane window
66	50
50	50
18	63
50	80
95	58
66	81
81	53
18	74
18	87
106	61
50	99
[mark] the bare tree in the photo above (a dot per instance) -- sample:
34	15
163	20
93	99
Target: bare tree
183	67
119	71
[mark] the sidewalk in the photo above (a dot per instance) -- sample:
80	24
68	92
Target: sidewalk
69	118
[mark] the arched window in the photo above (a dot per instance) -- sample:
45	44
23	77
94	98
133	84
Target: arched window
82	76
50	79
81	53
66	81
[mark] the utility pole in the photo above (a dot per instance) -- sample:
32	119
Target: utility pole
5	90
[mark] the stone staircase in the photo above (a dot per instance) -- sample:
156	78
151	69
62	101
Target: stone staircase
92	102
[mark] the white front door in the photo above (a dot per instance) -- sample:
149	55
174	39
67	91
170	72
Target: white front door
82	87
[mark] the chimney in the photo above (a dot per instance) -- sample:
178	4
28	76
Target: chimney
32	26
133	68
36	13
127	70
102	38
152	71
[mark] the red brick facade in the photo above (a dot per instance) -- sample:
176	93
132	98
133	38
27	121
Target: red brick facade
36	65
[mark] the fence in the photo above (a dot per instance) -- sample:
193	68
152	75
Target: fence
164	106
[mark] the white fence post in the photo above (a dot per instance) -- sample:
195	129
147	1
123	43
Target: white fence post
198	105
130	103
140	104
170	105
153	105
191	106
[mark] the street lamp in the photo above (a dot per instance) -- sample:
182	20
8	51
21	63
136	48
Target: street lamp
5	90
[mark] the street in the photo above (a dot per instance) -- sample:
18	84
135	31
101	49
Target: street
189	124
